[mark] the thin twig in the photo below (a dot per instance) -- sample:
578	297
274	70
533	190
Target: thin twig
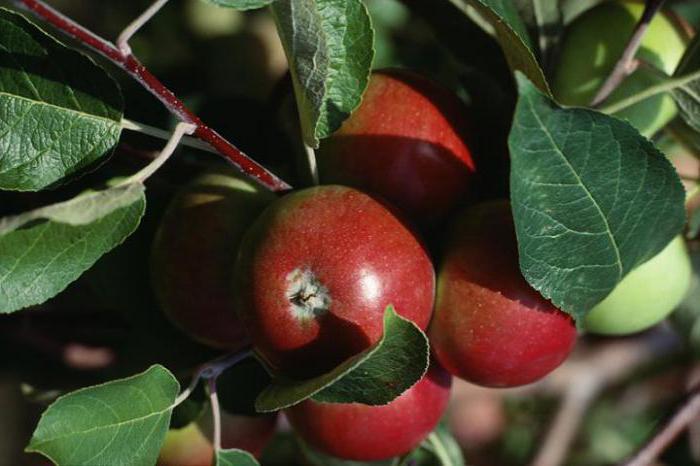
130	64
180	130
689	412
582	379
625	65
215	413
311	163
163	134
212	369
128	32
651	91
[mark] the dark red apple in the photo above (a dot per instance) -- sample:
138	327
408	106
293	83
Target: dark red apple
316	272
490	327
360	432
194	253
404	143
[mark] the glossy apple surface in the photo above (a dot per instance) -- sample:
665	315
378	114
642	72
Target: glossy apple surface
646	295
595	41
490	327
194	253
367	433
316	272
192	445
404	143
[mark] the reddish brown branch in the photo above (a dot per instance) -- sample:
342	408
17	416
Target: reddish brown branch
133	67
689	412
626	65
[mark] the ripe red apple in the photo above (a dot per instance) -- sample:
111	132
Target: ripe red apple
404	143
360	432
192	444
194	253
490	327
316	272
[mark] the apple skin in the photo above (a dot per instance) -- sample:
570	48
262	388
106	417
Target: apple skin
595	41
192	445
405	144
490	327
316	272
361	432
646	295
194	254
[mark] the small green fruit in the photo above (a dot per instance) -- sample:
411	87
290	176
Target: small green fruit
646	295
593	44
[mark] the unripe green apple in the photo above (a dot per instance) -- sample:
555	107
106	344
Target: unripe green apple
646	295
194	253
595	41
192	446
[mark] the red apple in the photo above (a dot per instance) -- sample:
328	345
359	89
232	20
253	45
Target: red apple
194	253
192	445
490	327
316	272
360	432
404	143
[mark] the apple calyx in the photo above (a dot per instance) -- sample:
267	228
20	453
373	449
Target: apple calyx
308	297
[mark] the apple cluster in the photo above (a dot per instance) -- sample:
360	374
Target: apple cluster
305	278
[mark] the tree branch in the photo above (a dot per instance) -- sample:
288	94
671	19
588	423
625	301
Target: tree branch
687	413
626	64
130	64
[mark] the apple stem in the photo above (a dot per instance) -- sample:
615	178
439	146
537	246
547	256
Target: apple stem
312	165
624	66
215	413
686	414
212	370
122	42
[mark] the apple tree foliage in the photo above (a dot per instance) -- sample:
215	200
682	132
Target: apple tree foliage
591	198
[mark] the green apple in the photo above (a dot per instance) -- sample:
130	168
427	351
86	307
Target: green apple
646	295
592	45
192	446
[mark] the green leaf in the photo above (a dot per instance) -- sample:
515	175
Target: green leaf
241	4
511	33
43	251
591	198
329	46
235	457
687	96
117	423
440	448
59	111
316	458
374	377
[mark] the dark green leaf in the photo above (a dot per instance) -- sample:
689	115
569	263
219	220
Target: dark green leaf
241	4
329	46
59	111
374	377
317	458
44	250
687	95
122	422
592	199
510	31
235	457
